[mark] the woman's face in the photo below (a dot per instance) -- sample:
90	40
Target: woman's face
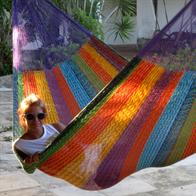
34	117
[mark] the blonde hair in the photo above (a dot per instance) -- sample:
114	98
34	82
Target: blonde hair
26	103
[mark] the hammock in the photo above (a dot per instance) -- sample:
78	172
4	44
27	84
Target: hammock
121	117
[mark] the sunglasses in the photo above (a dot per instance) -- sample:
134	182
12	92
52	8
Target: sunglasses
30	117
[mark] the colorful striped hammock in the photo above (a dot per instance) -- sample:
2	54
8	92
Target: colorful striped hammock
119	120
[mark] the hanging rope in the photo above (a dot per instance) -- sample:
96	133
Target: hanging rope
166	16
157	26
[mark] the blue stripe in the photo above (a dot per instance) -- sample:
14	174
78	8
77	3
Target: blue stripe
75	86
165	122
90	90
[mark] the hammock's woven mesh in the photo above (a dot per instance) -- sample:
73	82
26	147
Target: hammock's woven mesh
175	45
44	37
143	116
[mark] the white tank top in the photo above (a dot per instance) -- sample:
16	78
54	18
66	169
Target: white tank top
30	147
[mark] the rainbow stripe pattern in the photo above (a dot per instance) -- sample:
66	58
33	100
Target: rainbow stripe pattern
145	117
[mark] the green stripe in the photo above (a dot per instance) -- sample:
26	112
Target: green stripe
20	88
92	76
20	97
184	136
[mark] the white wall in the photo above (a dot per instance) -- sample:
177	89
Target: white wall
145	19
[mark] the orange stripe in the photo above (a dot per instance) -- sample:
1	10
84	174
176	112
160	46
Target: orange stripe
66	92
101	73
134	154
191	145
108	111
29	83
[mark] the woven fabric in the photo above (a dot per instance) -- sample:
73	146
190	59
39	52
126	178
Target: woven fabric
121	117
144	119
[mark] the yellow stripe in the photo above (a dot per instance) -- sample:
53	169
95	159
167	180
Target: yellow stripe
113	131
44	94
108	67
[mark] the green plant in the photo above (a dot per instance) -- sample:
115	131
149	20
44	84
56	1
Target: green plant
122	24
90	23
89	14
86	12
126	7
5	58
122	29
5	38
91	7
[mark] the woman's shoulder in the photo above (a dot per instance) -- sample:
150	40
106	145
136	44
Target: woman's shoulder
18	143
19	140
58	126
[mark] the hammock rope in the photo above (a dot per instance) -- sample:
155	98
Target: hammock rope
121	117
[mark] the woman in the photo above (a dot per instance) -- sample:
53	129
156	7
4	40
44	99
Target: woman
37	136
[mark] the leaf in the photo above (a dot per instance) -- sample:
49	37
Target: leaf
123	29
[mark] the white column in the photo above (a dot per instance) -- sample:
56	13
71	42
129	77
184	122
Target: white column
146	20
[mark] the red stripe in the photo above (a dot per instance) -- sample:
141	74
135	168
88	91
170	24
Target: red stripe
29	82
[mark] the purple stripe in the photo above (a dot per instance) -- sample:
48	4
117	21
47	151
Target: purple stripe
60	104
109	170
